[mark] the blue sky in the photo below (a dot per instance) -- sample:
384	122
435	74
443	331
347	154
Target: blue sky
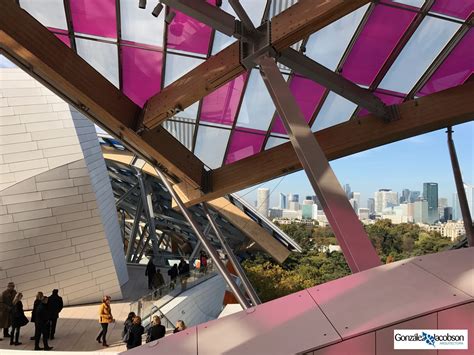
404	164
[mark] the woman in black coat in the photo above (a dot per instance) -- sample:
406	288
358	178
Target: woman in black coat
18	319
136	332
156	331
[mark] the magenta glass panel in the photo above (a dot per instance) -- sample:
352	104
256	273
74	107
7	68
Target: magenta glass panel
62	35
455	8
384	28
455	69
221	105
307	94
189	35
141	73
244	144
94	17
387	97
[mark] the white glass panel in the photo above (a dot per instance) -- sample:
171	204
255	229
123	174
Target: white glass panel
49	12
275	141
183	131
335	110
257	106
327	46
190	113
211	144
102	56
416	3
423	47
221	41
5	63
138	25
178	65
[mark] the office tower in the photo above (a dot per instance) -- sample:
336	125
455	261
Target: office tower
430	194
354	204
316	200
414	195
385	198
307	209
363	213
356	197
405	197
295	198
371	205
282	203
456	208
263	200
442	204
421	211
347	190
275	213
315	211
448	214
294	206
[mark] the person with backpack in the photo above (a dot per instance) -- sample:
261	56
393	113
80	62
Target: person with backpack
127	325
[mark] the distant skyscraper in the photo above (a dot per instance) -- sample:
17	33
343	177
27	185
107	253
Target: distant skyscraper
364	213
456	208
430	194
442	204
282	203
385	198
448	214
263	200
405	197
293	198
414	195
307	209
371	205
347	189
421	211
356	197
354	204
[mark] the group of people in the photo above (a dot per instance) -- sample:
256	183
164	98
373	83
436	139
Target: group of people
45	315
155	278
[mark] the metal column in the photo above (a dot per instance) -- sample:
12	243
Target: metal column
148	213
133	232
466	216
125	195
238	269
355	244
206	244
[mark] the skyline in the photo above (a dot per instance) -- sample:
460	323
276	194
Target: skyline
378	168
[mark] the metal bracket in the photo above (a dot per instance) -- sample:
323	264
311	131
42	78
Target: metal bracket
255	44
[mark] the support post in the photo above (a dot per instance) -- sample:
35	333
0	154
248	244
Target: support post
205	242
133	232
148	213
355	244
233	260
466	216
125	195
139	244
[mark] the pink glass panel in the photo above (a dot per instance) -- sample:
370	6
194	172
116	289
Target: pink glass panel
455	8
456	69
221	105
387	98
62	35
94	17
244	144
141	73
189	35
381	33
307	94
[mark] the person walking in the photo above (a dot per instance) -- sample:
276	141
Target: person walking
6	306
105	317
173	274
39	298
150	271
55	306
183	269
156	331
127	325
203	262
136	332
180	326
42	325
18	319
158	282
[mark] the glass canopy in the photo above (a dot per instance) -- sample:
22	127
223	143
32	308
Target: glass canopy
398	49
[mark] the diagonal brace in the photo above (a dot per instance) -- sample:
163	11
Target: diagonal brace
336	83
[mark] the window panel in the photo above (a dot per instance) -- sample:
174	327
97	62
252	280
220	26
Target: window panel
138	25
257	107
383	30
94	17
455	8
335	110
102	56
221	41
141	73
414	3
5	63
274	142
182	130
221	105
189	113
244	144
49	12
420	51
178	65
327	46
211	144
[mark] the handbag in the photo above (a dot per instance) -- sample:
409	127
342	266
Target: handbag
23	321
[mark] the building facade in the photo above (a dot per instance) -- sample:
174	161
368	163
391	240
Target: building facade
263	201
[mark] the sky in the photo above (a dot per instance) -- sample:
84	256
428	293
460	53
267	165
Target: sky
404	164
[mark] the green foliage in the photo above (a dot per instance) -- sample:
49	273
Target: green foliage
315	266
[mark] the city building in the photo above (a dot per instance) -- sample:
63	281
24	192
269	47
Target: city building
282	202
364	213
347	190
275	213
430	194
448	214
414	195
371	205
405	196
420	212
354	204
294	206
356	197
453	230
385	198
442	204
263	201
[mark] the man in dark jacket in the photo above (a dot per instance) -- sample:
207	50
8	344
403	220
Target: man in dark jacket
55	305
150	272
42	324
183	269
6	306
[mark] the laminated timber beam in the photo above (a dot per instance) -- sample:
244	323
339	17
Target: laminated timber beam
290	26
222	206
440	110
45	57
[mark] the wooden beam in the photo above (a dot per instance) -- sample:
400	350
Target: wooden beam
45	57
426	114
222	206
290	26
